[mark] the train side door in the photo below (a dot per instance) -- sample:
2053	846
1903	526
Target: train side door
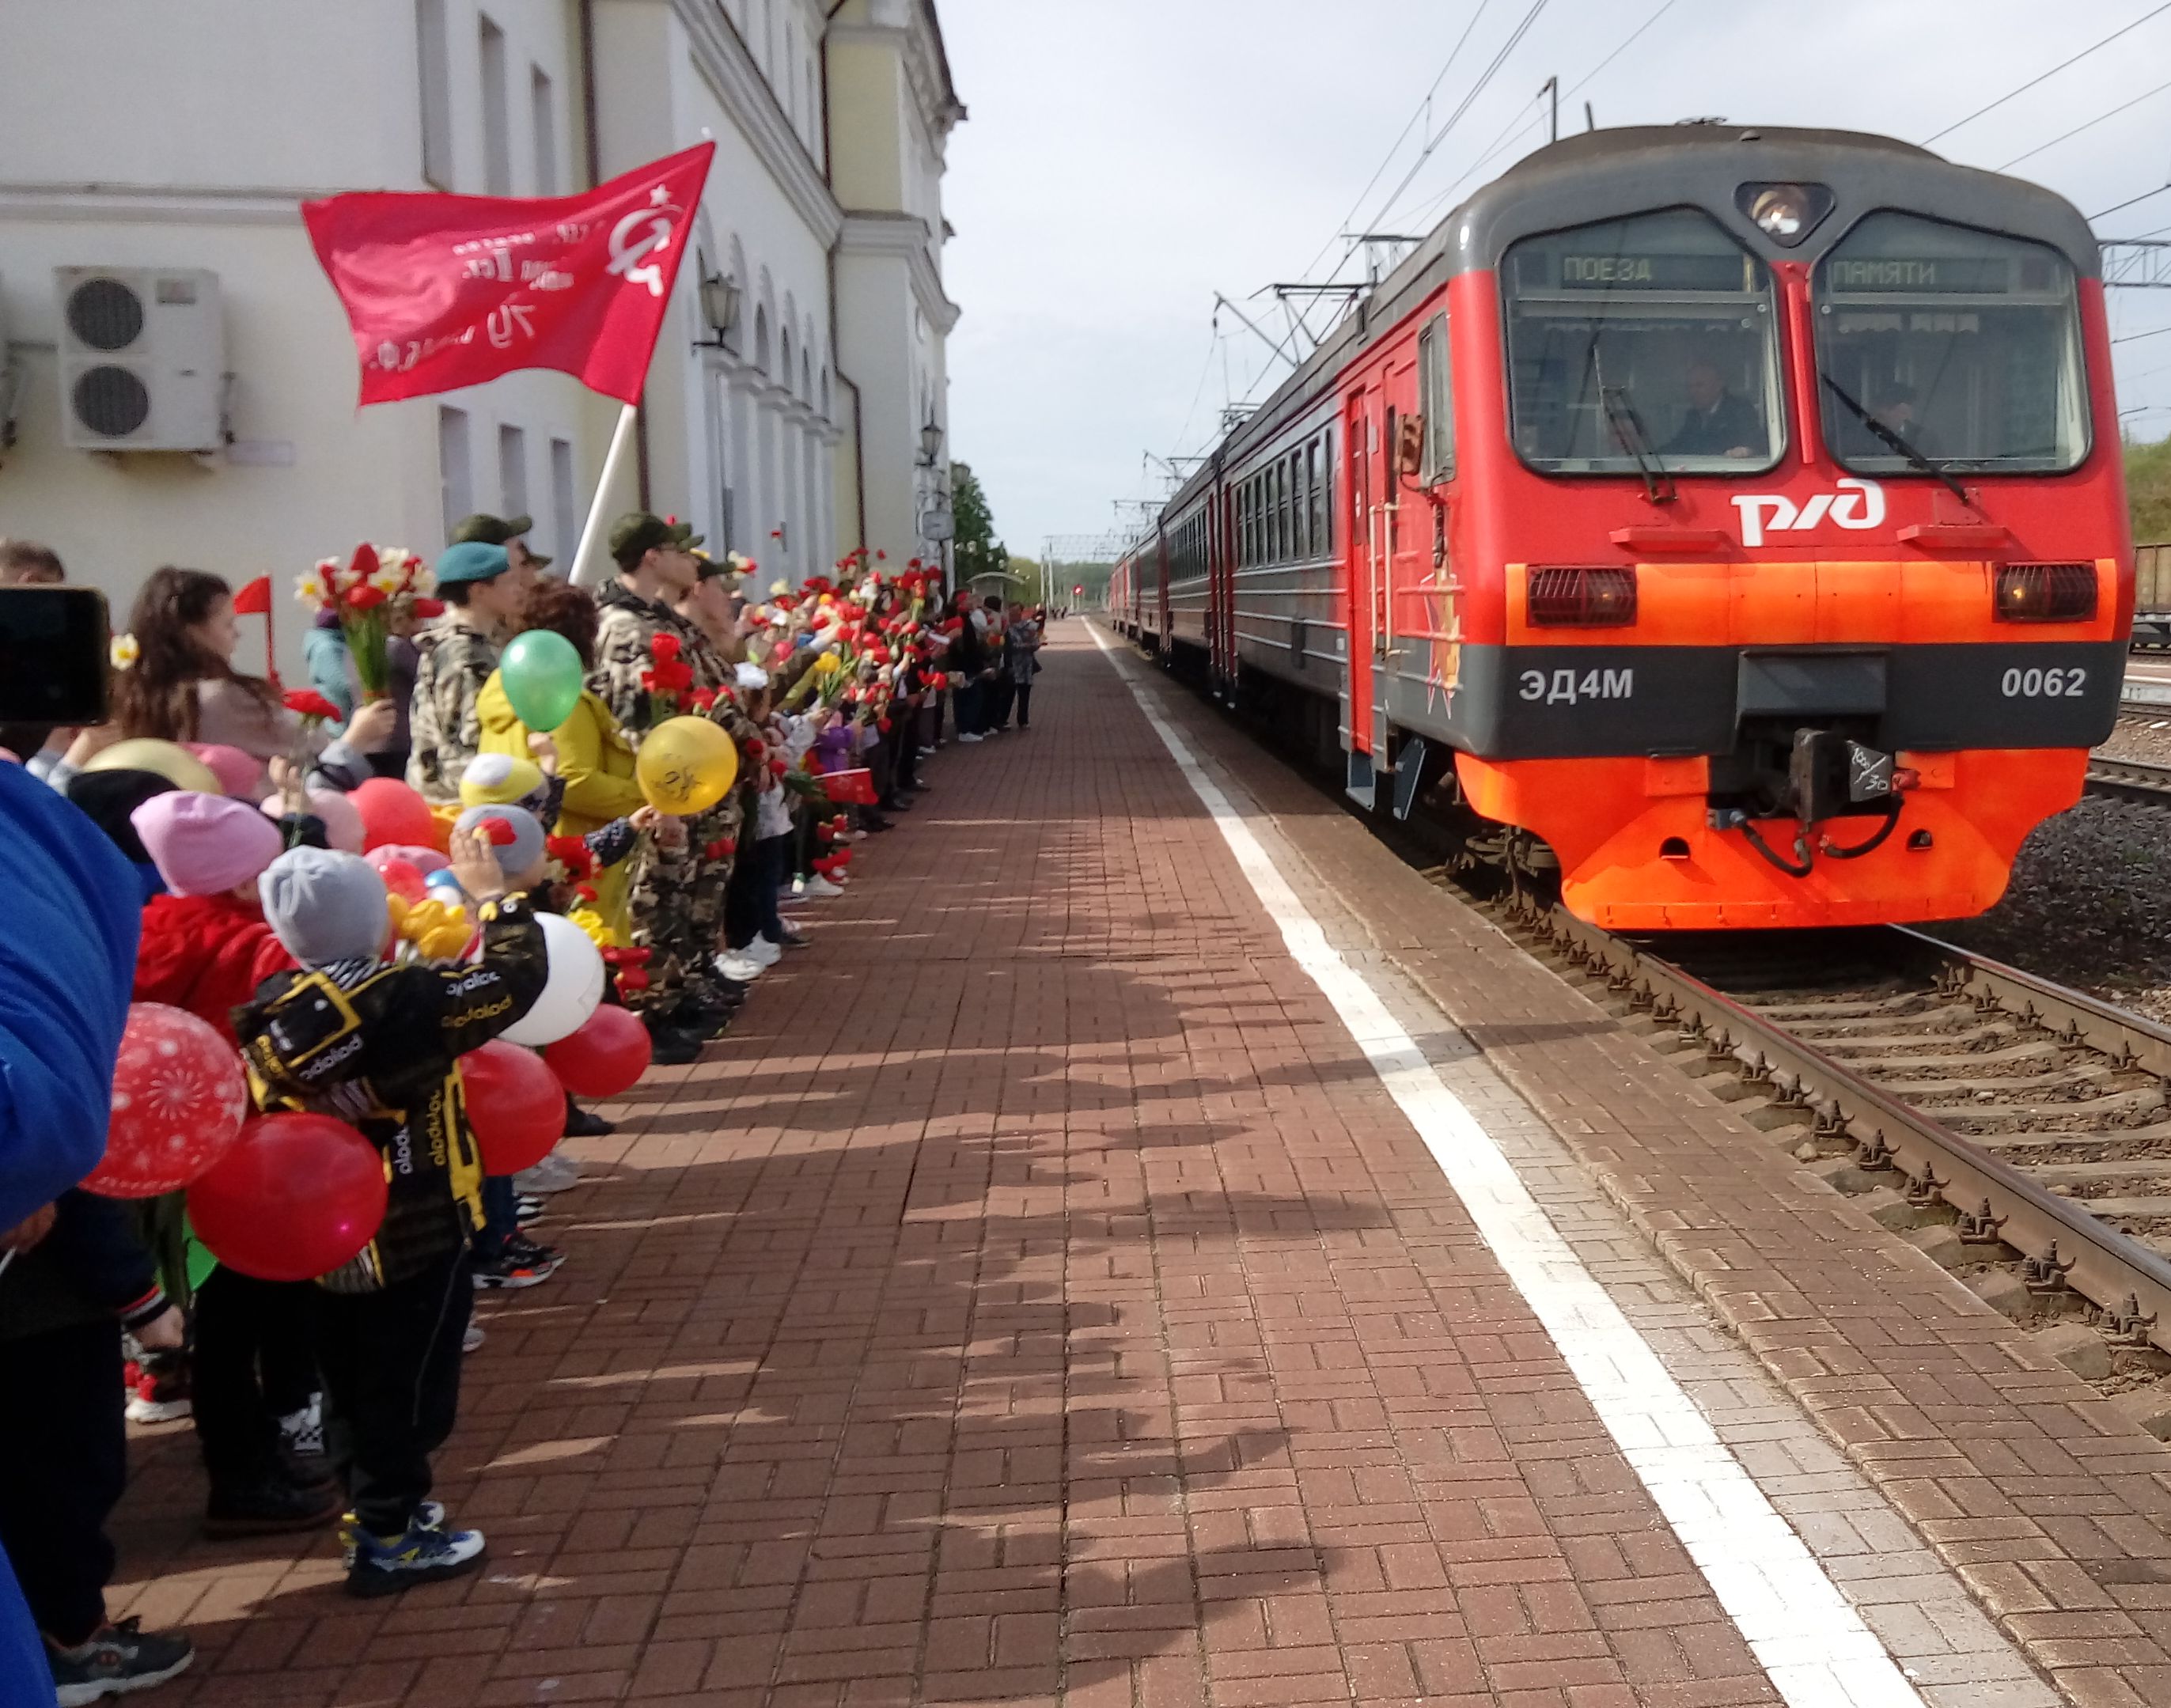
1363	568
1220	544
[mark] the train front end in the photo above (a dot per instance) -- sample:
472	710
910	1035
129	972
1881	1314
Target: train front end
1789	550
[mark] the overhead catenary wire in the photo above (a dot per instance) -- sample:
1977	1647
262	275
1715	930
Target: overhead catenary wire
2131	202
1505	139
2044	77
1416	119
2087	124
1484	81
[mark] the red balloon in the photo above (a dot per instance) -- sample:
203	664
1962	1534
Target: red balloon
392	813
515	1104
607	1056
180	1096
297	1197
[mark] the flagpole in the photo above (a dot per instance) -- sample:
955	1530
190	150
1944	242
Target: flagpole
621	437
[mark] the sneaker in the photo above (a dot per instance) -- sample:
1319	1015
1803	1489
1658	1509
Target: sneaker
303	1430
816	884
270	1506
161	1390
792	937
583	1123
469	1341
522	1263
671	1047
113	1660
423	1553
762	950
967	739
741	966
526	1209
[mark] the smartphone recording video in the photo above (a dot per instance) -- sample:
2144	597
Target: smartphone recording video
53	648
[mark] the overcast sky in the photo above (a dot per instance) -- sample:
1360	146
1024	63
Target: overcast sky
1124	159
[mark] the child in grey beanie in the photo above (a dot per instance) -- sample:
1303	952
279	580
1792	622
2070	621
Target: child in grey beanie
324	906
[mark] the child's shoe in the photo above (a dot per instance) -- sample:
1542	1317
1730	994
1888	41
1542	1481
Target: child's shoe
161	1393
113	1660
426	1552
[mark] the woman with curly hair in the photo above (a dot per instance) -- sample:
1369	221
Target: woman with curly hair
183	687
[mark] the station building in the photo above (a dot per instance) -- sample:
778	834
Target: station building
796	406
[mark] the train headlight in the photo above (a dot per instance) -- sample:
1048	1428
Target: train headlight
1581	598
1786	213
2044	593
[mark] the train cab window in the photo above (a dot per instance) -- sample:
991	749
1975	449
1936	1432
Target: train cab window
1641	345
1436	402
1938	347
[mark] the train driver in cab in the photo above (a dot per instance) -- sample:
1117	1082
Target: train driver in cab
1718	423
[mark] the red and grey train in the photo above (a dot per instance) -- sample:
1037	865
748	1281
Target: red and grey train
1732	519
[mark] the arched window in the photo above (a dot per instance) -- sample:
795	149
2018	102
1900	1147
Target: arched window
761	338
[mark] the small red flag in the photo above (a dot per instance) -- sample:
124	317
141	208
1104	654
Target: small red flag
450	290
253	598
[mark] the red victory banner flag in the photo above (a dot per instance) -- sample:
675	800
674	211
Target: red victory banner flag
449	290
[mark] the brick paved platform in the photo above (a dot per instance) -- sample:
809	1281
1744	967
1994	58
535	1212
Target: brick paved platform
1039	1296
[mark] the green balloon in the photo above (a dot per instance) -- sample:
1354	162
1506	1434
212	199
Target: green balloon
542	675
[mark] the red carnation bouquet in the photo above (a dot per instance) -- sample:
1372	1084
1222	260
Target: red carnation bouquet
668	680
357	593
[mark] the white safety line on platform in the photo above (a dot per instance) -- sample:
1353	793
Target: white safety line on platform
1810	1641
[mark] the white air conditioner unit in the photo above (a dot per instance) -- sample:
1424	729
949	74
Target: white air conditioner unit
142	358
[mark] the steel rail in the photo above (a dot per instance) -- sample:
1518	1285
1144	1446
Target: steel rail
2061	1244
2137	780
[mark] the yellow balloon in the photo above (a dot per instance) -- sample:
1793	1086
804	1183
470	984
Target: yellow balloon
171	761
686	765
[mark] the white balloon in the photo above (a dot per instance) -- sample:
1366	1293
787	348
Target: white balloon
575	986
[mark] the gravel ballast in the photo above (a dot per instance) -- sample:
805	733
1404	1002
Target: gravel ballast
2090	901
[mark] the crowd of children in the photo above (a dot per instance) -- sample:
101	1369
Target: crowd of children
273	910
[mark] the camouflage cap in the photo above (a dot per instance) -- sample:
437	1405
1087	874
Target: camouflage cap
497	531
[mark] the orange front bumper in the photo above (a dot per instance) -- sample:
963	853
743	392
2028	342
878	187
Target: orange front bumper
1609	822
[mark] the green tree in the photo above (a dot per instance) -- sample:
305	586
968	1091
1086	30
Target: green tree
2149	490
974	546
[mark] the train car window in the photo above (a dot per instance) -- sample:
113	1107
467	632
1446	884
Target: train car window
1282	511
1322	508
1939	346
1641	345
1300	535
1436	402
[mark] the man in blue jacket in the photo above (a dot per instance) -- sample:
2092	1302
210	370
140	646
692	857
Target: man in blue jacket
66	968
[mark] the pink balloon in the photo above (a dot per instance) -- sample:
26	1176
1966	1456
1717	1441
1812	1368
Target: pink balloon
238	772
423	859
342	823
179	1095
400	878
393	812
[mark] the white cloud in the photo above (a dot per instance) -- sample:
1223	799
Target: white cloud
1126	158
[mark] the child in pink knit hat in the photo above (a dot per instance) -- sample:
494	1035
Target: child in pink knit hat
206	948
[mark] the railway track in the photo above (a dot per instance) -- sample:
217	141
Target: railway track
2019	1133
2130	779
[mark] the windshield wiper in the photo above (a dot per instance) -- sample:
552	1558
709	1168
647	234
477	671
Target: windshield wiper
1916	460
1657	483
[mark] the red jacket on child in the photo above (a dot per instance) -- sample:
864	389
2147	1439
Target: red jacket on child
206	953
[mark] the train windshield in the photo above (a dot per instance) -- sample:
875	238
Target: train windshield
1644	346
1939	347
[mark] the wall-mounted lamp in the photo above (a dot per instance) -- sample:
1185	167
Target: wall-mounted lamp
720	307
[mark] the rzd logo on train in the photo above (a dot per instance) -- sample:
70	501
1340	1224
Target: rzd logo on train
1857	504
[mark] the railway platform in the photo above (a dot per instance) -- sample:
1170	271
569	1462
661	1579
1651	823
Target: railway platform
1153	1249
